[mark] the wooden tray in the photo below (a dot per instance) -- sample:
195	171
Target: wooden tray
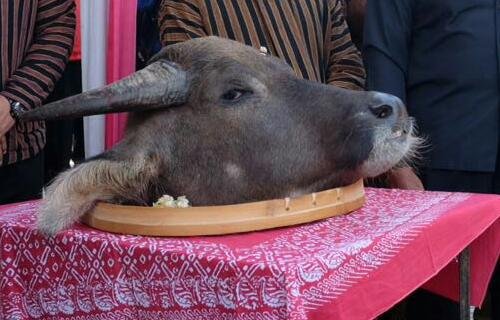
217	220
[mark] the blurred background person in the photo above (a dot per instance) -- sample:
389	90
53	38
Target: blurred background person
148	38
33	59
311	36
442	58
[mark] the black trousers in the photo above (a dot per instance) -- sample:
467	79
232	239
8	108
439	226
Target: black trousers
64	137
22	181
423	304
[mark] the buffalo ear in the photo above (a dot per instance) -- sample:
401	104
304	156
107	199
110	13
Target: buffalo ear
159	85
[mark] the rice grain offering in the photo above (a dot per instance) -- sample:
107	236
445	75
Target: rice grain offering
167	201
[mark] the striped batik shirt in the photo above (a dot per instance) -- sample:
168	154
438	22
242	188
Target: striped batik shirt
36	38
310	35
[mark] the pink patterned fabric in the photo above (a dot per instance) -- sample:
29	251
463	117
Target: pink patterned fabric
120	58
350	267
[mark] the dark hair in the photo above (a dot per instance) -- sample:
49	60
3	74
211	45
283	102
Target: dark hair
148	38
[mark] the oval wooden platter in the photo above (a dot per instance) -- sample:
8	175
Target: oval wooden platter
218	220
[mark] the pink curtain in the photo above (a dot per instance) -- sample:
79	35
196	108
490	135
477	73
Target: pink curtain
120	57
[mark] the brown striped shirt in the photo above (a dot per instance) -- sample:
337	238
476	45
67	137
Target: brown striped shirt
36	38
311	35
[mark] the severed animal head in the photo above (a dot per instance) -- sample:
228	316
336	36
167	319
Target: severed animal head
221	123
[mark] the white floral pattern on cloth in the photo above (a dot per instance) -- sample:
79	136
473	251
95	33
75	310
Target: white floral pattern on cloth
87	274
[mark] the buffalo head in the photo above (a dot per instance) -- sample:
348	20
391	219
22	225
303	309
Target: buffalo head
221	123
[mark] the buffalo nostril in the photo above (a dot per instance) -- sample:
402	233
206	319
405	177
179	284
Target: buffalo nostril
382	111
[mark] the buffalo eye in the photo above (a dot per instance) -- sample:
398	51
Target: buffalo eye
233	95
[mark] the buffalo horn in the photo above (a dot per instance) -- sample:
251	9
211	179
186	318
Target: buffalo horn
159	85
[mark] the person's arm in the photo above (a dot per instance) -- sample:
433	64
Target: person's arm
345	66
43	64
47	56
387	34
180	20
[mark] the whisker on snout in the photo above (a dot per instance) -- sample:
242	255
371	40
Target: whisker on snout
418	147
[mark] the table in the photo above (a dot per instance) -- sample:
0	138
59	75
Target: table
351	267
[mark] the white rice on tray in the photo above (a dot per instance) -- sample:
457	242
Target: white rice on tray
167	201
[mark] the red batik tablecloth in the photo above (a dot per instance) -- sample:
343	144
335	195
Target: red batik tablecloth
349	267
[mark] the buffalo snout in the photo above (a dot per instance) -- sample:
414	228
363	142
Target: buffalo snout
393	136
388	108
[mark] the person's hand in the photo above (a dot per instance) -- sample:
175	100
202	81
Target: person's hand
404	178
3	145
355	16
6	122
